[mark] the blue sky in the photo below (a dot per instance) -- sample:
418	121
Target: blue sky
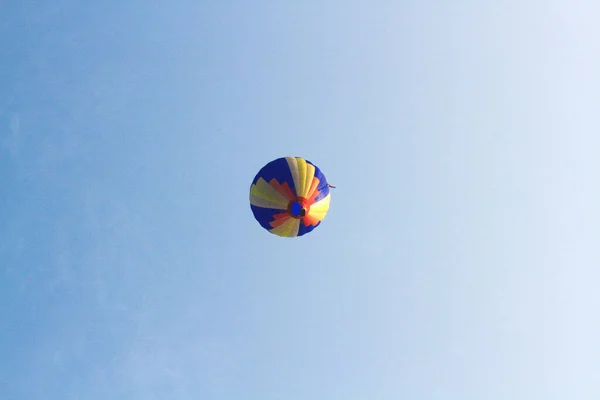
460	256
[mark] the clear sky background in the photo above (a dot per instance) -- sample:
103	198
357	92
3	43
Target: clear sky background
460	257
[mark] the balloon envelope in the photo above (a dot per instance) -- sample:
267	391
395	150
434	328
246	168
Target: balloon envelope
289	196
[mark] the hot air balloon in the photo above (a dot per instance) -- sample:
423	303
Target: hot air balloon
289	196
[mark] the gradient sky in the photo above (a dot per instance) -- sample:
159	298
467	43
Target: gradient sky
460	257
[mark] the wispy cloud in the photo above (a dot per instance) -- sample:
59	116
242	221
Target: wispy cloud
14	141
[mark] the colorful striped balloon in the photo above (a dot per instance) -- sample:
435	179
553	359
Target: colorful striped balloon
289	196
